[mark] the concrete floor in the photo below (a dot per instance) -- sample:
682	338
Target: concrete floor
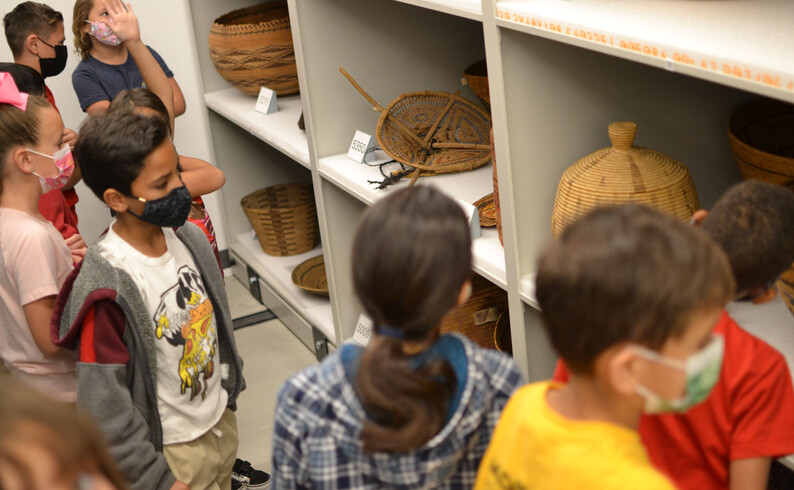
271	354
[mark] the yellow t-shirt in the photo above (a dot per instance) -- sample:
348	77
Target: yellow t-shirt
534	447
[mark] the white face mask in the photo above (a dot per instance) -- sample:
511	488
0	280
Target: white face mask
702	371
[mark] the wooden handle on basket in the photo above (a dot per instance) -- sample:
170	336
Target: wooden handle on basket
462	146
372	101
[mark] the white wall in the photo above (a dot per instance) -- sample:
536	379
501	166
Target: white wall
166	25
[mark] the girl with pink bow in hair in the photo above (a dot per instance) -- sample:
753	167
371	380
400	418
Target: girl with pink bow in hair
34	260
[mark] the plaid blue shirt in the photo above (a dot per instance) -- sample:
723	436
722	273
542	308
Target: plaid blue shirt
316	441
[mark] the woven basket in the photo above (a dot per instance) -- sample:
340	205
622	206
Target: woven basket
310	276
502	338
252	48
761	137
477	317
498	209
476	77
284	218
486	211
623	173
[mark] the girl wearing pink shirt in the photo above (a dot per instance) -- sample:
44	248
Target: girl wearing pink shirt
34	260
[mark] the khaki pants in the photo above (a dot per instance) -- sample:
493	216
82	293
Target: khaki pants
206	463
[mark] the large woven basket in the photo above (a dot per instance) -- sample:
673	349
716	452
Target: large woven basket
252	48
761	137
477	317
623	173
284	218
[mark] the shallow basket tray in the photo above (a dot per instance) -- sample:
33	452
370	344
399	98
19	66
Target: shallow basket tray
486	209
477	317
310	276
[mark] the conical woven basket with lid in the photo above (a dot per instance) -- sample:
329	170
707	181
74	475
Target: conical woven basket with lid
623	173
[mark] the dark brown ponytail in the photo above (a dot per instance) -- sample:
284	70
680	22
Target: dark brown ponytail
412	256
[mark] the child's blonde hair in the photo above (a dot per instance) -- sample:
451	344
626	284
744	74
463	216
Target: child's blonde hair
18	127
82	39
69	436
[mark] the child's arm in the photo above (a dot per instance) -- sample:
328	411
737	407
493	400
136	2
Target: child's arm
179	99
38	314
123	22
749	474
200	177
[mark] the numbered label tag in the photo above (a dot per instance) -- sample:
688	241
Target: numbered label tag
472	216
266	102
363	331
360	147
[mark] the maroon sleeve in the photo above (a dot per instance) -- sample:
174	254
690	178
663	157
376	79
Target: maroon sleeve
53	206
101	338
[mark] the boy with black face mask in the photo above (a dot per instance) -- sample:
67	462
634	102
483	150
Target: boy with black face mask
148	315
35	34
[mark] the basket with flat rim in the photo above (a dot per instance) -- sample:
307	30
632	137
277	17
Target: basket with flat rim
623	173
252	47
477	317
476	77
284	218
310	276
432	132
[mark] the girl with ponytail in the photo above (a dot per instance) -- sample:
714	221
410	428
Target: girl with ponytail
413	409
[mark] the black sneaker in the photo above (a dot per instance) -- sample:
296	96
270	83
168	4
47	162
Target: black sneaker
237	485
249	477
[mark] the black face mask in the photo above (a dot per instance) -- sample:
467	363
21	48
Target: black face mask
170	211
51	67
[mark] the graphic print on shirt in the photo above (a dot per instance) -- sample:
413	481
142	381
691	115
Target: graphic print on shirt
184	317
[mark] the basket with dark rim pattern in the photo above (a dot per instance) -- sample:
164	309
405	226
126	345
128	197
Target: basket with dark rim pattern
476	77
310	276
252	48
284	218
502	338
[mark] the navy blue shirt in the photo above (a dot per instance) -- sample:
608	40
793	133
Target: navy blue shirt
95	81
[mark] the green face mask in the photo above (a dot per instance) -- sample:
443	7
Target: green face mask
702	373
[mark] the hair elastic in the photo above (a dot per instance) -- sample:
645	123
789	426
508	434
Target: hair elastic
391	332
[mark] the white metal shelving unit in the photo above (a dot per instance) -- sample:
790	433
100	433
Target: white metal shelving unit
559	73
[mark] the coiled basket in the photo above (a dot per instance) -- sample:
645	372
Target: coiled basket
284	218
252	48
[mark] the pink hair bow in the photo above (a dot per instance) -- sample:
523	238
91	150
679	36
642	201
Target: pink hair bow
10	94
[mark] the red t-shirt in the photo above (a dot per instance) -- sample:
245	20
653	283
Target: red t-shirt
749	414
53	210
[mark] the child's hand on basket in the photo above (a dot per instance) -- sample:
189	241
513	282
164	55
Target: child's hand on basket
122	21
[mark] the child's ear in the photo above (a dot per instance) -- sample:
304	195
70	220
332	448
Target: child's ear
21	158
623	370
32	43
699	216
115	200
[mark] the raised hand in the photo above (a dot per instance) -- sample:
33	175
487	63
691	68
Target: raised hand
122	20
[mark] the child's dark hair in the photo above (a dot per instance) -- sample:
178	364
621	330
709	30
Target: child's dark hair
72	439
113	146
754	223
29	18
626	274
18	127
26	78
138	97
412	256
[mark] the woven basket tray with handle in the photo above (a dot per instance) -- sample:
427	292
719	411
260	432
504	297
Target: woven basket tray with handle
477	317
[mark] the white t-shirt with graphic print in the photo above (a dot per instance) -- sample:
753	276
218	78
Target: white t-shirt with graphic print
189	393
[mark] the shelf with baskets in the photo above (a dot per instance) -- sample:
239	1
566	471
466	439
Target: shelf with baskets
279	130
277	272
736	43
469	186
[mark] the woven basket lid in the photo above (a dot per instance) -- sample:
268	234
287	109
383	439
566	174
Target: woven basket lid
623	173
